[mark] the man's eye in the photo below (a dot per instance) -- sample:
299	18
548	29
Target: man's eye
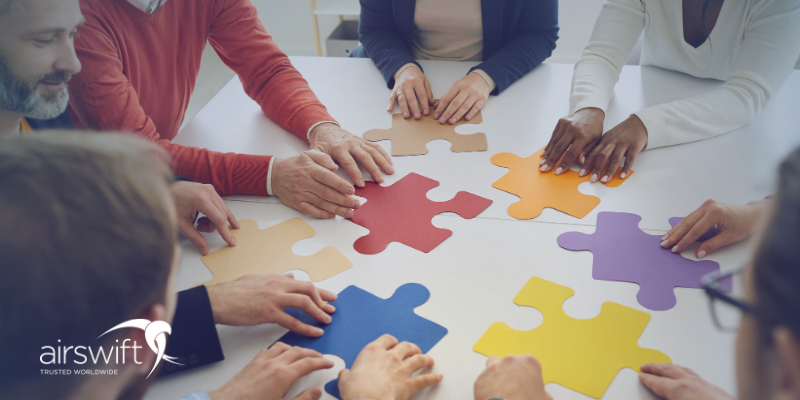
44	41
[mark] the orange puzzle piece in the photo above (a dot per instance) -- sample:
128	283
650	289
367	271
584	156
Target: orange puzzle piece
269	251
538	190
409	136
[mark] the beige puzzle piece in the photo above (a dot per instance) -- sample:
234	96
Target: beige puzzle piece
269	251
410	137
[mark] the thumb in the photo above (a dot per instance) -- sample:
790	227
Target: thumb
309	394
194	236
343	373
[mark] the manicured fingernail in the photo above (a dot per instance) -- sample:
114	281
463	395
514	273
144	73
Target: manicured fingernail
452	120
330	308
317	331
675	248
425	111
405	115
664	238
558	171
664	243
416	115
605	179
233	239
583	172
361	183
701	254
583	160
542	161
350	190
544	168
436	116
594	177
623	175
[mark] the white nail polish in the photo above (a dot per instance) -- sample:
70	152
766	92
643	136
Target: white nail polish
622	175
583	160
542	161
664	237
558	171
594	177
675	248
544	167
664	243
604	180
583	172
701	254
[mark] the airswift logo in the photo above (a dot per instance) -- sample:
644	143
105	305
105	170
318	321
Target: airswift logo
155	333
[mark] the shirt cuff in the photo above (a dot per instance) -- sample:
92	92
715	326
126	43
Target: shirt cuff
485	76
403	68
269	175
200	395
658	134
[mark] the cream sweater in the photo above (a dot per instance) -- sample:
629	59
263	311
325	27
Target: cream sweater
753	48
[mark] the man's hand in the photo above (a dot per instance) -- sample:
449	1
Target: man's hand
262	299
464	99
306	183
733	223
673	382
191	198
625	140
575	135
349	150
514	377
413	92
383	369
271	373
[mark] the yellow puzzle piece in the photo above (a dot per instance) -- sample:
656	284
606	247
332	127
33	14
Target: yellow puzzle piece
581	354
269	251
409	136
538	190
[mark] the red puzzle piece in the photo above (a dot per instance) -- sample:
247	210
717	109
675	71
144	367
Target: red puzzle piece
402	213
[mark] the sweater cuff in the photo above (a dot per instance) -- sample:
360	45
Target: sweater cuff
657	128
200	395
581	101
487	78
403	68
250	174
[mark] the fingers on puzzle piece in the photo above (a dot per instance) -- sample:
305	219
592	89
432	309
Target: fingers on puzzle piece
362	317
539	190
581	354
708	235
402	213
410	137
269	251
623	252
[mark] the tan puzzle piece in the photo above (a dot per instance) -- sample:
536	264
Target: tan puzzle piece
581	354
409	136
269	251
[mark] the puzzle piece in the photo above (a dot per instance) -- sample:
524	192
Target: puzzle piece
581	354
409	136
708	235
402	213
622	252
362	317
268	251
538	190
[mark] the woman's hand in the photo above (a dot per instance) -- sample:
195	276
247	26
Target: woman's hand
625	140
733	223
464	99
575	135
674	382
413	92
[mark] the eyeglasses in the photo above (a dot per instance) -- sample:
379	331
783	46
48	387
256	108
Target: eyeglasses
726	309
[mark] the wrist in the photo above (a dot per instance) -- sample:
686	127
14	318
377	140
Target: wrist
321	128
214	299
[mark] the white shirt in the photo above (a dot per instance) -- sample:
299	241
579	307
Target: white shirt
753	47
148	6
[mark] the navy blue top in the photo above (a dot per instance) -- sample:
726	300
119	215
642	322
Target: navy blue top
518	35
61	122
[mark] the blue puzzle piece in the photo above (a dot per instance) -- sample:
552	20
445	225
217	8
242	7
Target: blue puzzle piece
362	317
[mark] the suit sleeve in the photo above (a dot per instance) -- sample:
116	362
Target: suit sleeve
194	339
533	43
383	42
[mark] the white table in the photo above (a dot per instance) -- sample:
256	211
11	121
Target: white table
474	275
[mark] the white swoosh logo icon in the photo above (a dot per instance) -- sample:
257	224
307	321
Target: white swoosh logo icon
155	333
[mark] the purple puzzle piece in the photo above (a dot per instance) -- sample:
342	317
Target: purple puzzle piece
708	235
622	252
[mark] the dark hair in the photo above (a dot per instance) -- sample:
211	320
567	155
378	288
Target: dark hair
86	243
776	270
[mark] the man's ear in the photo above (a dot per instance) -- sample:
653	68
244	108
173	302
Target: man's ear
144	356
787	352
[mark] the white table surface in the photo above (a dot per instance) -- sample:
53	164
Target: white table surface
474	275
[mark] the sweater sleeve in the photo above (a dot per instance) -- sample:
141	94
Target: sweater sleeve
614	36
102	99
767	56
533	43
382	41
269	78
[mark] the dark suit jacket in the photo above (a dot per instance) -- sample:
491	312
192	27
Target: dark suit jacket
518	35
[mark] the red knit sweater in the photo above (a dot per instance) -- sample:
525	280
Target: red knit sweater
139	71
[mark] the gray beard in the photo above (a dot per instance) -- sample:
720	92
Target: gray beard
22	98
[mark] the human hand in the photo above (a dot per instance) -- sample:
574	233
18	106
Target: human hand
383	369
674	382
346	149
191	198
624	140
513	377
575	135
464	99
262	299
413	92
306	182
733	223
271	373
